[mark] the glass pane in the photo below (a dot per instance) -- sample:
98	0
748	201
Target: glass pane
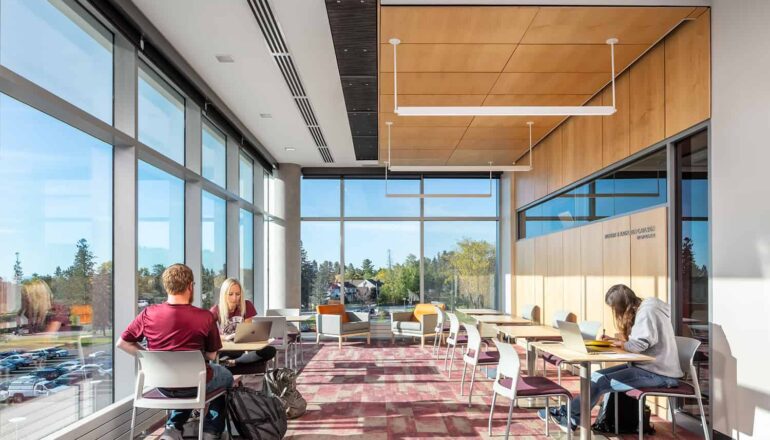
160	234
214	246
214	151
557	213
382	265
55	271
693	263
246	234
160	115
461	264
641	184
320	198
320	262
246	178
461	207
58	46
366	198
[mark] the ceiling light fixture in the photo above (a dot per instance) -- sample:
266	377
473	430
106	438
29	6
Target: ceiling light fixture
516	110
265	115
289	148
224	58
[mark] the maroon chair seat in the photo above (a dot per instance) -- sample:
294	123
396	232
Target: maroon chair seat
486	357
461	339
553	359
683	388
179	393
528	386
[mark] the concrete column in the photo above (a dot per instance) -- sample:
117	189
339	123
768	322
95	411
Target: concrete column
507	243
284	236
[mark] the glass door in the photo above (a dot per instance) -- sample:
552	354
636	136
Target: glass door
693	255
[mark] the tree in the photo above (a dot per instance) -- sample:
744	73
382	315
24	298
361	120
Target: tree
309	271
102	299
475	263
18	273
324	277
76	282
367	269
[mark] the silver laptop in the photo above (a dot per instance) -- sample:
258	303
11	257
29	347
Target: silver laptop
258	331
573	339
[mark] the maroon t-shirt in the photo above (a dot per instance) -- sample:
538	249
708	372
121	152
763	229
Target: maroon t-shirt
250	311
175	327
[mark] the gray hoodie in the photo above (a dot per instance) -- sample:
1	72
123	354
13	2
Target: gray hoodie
653	335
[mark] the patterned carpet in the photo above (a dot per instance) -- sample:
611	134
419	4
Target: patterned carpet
384	391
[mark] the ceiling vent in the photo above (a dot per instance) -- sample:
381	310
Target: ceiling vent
283	59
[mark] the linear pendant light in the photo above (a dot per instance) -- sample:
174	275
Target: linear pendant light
450	168
515	110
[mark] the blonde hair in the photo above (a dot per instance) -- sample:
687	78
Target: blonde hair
35	301
624	303
224	313
176	279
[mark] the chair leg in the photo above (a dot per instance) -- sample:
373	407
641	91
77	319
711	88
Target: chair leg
473	378
671	402
569	417
422	341
641	417
133	422
446	356
340	342
200	421
451	363
317	338
492	411
706	433
508	423
462	380
547	412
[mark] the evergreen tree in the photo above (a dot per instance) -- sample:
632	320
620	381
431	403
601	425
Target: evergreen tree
367	269
309	271
102	299
18	273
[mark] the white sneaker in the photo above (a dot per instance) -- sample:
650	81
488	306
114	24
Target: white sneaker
171	434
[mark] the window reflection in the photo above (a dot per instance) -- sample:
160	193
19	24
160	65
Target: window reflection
214	247
214	154
246	177
160	115
246	235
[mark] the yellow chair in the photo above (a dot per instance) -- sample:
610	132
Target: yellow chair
334	320
420	323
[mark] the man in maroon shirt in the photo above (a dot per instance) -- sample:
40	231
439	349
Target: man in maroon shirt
177	325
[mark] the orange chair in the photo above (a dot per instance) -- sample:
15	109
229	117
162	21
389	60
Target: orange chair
334	320
420	323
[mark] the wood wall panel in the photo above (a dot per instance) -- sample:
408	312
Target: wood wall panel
553	291
615	128
524	187
525	282
553	160
592	270
540	172
688	75
617	259
649	259
540	271
572	273
582	145
647	116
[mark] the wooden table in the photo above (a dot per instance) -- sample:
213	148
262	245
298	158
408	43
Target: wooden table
300	318
500	319
479	311
529	333
585	360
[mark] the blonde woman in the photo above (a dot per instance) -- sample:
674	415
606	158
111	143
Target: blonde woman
37	306
232	309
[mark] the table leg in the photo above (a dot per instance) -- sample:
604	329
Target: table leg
531	358
585	404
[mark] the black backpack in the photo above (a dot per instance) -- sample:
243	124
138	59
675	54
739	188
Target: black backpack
628	413
255	415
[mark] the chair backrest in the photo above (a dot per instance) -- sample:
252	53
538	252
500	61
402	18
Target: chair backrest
559	315
528	311
454	324
172	369
282	312
686	347
590	329
510	365
278	329
474	339
440	320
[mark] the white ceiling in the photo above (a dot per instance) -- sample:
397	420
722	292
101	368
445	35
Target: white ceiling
201	29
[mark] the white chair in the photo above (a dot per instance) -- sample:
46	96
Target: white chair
439	330
509	383
295	346
172	369
280	334
453	339
528	312
475	357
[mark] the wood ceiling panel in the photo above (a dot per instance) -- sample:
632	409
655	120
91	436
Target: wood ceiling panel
587	58
438	83
541	122
423	136
549	83
446	57
455	24
418	162
502	132
594	25
483	157
423	121
386	101
525	99
438	155
493	144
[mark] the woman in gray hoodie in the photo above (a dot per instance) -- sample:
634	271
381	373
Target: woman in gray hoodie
645	327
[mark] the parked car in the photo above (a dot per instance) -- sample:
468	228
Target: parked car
57	352
7	367
98	354
91	370
6	353
48	387
68	365
3	396
48	373
23	388
69	378
4	385
18	359
38	355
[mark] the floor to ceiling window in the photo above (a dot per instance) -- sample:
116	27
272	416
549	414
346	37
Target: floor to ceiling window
214	247
374	252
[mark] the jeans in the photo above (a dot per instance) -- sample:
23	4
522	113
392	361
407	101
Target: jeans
214	421
620	378
249	357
